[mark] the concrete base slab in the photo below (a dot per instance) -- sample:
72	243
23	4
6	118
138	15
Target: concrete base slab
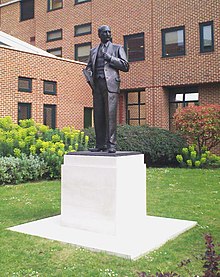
152	233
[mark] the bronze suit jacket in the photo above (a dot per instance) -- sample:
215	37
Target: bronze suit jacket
111	69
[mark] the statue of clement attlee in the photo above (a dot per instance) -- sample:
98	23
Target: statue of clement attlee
102	74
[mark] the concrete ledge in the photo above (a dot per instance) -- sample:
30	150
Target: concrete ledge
136	242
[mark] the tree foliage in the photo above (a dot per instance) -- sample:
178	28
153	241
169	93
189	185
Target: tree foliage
200	125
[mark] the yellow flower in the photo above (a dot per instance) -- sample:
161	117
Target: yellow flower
33	149
17	152
52	149
60	153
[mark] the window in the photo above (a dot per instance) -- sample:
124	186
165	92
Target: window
50	87
32	40
81	1
182	97
50	116
24	84
26	9
24	111
134	47
135	108
173	42
82	51
206	37
54	35
88	117
83	29
56	51
54	5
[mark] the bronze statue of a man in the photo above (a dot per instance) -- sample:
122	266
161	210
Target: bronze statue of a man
102	73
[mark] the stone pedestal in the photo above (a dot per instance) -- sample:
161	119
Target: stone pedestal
104	194
103	207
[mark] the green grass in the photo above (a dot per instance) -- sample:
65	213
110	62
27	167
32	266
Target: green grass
177	193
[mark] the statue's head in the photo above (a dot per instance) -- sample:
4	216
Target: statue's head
104	33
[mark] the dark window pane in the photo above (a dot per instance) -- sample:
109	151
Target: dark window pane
134	46
142	122
179	100
82	29
206	37
132	98
32	40
88	117
173	42
50	116
81	1
82	52
50	87
133	111
55	51
134	122
135	108
24	111
24	84
27	9
54	35
55	4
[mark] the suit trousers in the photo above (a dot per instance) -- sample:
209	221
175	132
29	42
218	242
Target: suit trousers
105	114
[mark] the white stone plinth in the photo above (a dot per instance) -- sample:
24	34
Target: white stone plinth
103	207
104	194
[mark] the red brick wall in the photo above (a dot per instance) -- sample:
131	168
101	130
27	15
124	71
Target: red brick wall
130	17
73	93
209	93
194	67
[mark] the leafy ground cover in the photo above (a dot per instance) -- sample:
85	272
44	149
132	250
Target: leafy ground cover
177	193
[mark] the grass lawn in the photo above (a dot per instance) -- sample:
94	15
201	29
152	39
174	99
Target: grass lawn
177	193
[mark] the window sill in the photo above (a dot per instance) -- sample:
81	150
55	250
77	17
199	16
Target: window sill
54	9
173	56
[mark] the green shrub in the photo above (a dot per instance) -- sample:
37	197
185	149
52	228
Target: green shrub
17	170
33	138
159	146
190	157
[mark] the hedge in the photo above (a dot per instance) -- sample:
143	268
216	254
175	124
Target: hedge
159	146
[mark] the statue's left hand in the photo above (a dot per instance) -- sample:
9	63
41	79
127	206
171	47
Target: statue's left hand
107	57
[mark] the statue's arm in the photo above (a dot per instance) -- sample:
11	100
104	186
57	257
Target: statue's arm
88	72
89	64
120	62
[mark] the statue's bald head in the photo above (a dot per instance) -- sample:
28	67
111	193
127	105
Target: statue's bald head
103	27
104	33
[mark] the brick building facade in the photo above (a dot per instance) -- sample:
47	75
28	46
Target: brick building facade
172	46
43	88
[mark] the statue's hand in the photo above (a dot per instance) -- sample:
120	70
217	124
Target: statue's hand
107	57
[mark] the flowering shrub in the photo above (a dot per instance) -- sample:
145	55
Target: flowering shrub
190	157
200	125
36	139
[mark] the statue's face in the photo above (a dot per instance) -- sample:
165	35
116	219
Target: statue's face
105	34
